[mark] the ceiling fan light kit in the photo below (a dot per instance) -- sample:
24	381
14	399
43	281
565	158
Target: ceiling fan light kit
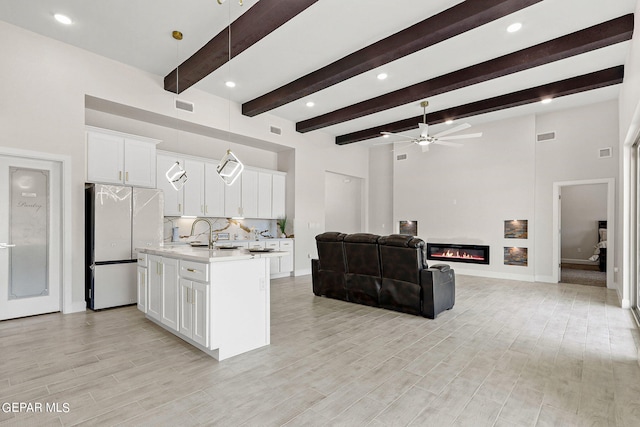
441	138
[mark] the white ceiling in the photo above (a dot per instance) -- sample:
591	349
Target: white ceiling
138	33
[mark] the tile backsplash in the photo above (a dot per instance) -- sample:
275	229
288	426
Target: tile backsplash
237	229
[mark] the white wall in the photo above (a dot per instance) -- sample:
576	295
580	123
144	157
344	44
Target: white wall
464	195
343	203
44	86
582	207
629	130
381	190
572	156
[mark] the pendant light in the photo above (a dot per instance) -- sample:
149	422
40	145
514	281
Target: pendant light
230	167
176	175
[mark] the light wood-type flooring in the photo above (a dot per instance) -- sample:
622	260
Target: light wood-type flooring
509	354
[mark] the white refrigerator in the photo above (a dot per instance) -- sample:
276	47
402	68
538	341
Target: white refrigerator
118	220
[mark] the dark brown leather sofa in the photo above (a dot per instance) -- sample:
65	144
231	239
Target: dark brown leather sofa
382	271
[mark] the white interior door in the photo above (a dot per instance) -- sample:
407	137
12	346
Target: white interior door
30	237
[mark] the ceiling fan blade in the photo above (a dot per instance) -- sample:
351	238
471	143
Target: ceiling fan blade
402	135
424	129
463	126
447	143
465	136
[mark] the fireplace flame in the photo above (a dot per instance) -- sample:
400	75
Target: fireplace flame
448	253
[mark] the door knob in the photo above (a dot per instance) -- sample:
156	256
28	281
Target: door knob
6	245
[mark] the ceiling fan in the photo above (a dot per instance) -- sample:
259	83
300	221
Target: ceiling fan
440	138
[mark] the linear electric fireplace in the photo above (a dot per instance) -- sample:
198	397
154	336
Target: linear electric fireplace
474	254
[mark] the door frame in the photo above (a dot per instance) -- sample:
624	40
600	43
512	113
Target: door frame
66	294
611	226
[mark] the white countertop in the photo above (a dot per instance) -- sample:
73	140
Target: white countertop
203	254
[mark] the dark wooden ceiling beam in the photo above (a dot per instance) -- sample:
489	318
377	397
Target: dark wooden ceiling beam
261	19
449	23
595	80
592	38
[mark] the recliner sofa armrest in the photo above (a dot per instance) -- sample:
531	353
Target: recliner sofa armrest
438	290
440	267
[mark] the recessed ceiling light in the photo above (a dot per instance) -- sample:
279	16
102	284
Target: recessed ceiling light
63	19
546	100
514	27
448	122
310	104
230	84
382	76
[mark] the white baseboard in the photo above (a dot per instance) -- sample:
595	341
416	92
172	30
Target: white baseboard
302	272
280	275
545	279
76	307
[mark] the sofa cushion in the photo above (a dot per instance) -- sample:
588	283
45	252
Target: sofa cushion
363	268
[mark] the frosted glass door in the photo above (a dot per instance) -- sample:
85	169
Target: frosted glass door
28	231
30	227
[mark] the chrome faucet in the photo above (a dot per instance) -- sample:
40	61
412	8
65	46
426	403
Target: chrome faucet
193	226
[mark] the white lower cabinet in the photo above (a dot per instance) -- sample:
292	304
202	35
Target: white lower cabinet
162	290
194	311
142	288
281	266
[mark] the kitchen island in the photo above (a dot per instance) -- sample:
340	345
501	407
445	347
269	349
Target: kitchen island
217	300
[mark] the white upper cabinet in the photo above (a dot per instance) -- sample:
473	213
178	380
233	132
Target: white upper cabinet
278	191
232	199
213	191
173	200
194	188
264	194
257	193
249	181
114	158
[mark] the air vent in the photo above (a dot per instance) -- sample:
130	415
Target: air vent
275	130
604	153
549	136
184	105
401	157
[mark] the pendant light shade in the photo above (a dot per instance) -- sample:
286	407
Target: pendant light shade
176	176
229	168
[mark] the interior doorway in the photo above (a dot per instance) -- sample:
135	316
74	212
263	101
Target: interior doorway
609	220
343	203
583	236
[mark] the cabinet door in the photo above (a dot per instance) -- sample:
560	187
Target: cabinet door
170	297
232	199
213	192
154	287
286	262
139	163
249	194
194	188
173	200
105	158
275	261
186	311
278	191
142	289
200	306
264	195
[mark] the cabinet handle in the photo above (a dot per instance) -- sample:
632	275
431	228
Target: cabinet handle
187	289
206	209
140	259
126	176
119	175
179	207
191	270
191	295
